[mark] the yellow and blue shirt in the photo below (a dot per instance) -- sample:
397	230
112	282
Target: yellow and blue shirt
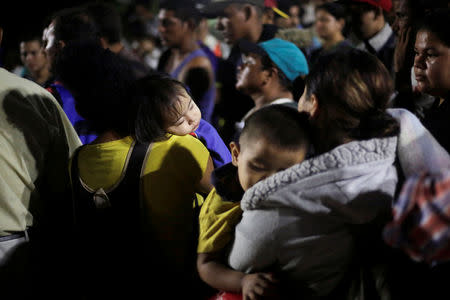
221	211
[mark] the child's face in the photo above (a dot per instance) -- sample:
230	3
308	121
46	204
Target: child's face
187	119
257	160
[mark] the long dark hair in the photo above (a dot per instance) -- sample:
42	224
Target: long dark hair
353	89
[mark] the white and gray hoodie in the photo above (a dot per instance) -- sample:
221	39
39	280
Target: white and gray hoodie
298	220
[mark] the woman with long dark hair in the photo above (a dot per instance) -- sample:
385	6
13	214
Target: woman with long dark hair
312	223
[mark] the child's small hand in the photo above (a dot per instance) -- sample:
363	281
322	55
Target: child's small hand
258	285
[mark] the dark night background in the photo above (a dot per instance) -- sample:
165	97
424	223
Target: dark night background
17	17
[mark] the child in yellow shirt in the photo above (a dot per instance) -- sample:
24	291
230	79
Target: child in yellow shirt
274	138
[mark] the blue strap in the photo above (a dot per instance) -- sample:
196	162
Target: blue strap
191	56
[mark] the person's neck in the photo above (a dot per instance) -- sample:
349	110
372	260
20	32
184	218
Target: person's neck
377	28
42	75
186	47
263	98
255	33
333	41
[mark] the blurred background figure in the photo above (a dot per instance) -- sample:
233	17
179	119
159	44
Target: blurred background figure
204	35
370	30
67	26
329	25
109	24
143	12
141	30
306	12
147	47
35	63
207	34
288	15
276	13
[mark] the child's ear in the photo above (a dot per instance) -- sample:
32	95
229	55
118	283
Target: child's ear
235	150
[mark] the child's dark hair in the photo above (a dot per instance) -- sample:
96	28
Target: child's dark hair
159	96
282	126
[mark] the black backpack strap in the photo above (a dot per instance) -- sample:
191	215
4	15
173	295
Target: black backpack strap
125	198
110	237
135	165
127	195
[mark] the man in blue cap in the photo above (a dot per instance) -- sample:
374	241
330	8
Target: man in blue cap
268	73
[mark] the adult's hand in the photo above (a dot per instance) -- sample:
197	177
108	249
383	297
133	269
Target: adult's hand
400	52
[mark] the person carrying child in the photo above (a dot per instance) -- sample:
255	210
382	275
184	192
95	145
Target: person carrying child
132	194
274	138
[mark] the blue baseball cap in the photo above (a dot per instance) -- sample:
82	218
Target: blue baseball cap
285	55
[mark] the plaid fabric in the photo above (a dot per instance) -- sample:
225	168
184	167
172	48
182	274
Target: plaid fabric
421	223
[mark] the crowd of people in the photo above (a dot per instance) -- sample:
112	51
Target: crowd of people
228	149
